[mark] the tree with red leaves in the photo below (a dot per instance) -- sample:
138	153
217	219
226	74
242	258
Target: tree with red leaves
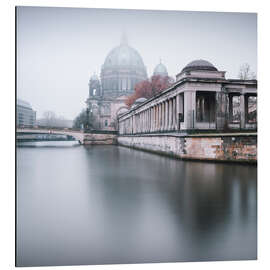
149	88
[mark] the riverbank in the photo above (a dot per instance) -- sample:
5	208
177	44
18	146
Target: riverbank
228	147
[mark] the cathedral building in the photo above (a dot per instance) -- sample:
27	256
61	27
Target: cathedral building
123	68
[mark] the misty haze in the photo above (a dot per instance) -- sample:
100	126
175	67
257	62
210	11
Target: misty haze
136	136
59	49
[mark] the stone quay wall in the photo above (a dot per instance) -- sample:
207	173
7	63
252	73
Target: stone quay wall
223	147
99	138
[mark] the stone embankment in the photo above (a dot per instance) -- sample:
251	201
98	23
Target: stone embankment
100	138
239	147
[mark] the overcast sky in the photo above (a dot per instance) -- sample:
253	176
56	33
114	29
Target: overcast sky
58	49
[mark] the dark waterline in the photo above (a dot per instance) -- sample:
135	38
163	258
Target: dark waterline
109	204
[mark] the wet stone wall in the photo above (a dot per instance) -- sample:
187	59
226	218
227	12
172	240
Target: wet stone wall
241	148
100	138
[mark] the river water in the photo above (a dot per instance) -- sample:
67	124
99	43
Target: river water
109	204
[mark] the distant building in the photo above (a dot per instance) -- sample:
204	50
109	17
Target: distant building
26	116
123	68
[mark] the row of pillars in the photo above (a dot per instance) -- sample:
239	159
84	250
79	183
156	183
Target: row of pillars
159	117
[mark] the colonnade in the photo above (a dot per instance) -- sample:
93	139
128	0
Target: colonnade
162	114
157	117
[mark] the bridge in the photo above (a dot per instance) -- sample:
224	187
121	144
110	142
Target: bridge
30	134
89	137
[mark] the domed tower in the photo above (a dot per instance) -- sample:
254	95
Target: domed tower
160	70
122	69
200	69
199	65
94	86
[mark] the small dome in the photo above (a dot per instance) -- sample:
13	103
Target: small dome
161	70
122	111
140	100
199	65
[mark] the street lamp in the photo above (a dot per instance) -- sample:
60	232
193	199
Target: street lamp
86	125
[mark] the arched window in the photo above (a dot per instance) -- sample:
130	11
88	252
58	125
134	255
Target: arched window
106	123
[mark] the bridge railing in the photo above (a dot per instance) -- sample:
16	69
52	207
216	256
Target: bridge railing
99	131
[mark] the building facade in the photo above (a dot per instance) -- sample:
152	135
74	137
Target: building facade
122	69
26	116
200	99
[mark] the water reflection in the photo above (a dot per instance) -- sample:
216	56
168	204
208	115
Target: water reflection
108	204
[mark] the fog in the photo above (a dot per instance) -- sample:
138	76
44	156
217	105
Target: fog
58	49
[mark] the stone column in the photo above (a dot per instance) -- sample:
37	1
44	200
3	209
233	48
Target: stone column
152	119
174	114
149	119
230	108
147	115
177	112
162	114
142	121
172	122
157	114
243	110
134	124
221	110
159	117
166	115
190	109
170	114
158	107
144	128
139	123
155	117
157	111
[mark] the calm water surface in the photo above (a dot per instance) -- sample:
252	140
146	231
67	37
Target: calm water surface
109	204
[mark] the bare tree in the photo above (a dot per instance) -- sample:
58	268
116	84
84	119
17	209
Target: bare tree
245	73
81	120
49	118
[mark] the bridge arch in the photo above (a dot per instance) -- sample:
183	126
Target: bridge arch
77	135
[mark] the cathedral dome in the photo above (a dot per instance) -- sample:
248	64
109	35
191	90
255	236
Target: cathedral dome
161	70
123	55
199	65
122	69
